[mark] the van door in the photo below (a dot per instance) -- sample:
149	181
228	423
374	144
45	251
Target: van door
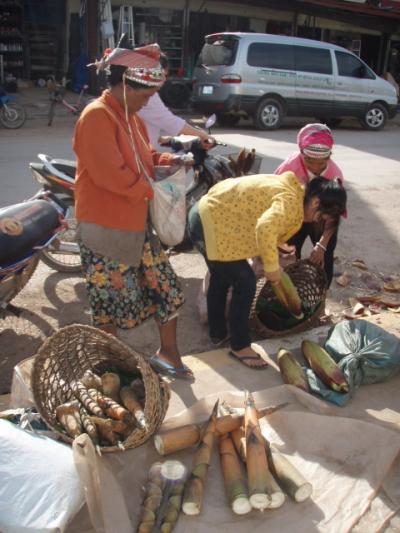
353	85
314	81
270	69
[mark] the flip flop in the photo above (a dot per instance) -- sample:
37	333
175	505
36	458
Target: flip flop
245	358
163	367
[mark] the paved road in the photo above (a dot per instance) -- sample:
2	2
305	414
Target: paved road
370	161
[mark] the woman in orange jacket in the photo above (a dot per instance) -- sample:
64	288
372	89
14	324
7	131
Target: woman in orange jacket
128	276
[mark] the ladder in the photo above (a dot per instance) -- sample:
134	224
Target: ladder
106	24
126	23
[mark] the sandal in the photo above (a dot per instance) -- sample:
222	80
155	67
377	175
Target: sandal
244	358
163	367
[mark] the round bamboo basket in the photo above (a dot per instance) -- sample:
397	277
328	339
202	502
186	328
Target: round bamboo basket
311	284
66	355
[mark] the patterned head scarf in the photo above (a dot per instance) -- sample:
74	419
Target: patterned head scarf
315	141
143	64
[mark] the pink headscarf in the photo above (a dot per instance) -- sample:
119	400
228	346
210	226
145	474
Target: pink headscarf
315	140
143	64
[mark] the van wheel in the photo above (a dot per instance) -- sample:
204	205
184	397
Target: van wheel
375	117
269	115
227	120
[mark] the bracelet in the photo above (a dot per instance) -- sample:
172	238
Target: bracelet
321	246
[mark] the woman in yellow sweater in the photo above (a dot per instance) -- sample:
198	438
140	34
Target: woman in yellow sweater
251	216
128	276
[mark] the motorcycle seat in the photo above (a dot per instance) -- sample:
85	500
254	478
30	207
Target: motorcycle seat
66	166
24	226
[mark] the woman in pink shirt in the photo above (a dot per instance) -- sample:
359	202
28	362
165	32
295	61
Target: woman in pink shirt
315	142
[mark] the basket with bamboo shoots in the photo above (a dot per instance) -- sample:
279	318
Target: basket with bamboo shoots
86	381
296	305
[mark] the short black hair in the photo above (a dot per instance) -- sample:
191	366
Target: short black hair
116	76
331	194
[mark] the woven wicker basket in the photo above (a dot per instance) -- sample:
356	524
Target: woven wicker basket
310	282
67	354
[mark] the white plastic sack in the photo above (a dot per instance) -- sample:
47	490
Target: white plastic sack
40	490
168	208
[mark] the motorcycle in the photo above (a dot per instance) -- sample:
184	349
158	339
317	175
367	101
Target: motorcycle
58	176
12	114
26	229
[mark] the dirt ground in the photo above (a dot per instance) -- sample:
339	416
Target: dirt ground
52	300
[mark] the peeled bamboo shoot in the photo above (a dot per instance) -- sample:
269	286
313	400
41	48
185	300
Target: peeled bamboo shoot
118	426
110	407
235	482
91	380
68	416
176	439
111	385
174	473
82	394
131	402
263	489
194	489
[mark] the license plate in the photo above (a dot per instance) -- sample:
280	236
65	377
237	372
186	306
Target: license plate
208	89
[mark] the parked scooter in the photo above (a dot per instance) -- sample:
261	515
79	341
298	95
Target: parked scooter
58	176
12	114
26	229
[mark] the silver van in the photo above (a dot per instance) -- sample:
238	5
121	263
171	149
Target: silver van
268	77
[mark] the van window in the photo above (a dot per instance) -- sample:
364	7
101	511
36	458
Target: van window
219	52
309	59
351	66
270	55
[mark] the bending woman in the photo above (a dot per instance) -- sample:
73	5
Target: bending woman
251	216
315	142
128	276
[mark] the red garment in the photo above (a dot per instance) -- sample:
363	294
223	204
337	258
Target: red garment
110	188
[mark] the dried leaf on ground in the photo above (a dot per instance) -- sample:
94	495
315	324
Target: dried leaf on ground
359	263
392	285
344	279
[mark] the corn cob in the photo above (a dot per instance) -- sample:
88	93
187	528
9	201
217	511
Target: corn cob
287	294
324	366
291	370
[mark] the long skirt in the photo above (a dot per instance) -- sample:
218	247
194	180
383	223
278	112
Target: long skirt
125	296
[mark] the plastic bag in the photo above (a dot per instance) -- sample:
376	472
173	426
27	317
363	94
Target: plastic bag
168	208
40	489
364	352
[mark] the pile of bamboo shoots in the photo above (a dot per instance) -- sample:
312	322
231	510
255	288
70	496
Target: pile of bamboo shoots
256	475
102	408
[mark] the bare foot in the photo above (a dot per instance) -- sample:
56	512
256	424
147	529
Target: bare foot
249	357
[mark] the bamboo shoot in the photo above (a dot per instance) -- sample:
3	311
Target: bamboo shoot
235	482
194	489
82	394
152	500
68	416
180	438
263	489
288	477
111	385
110	407
131	402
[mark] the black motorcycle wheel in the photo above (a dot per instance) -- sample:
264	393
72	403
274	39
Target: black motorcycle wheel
12	286
12	115
56	258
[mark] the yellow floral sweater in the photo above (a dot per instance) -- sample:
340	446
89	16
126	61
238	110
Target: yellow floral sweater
252	215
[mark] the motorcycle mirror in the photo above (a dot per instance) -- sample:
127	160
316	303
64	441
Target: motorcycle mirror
210	122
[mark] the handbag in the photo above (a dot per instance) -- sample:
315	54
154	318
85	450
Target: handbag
168	207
